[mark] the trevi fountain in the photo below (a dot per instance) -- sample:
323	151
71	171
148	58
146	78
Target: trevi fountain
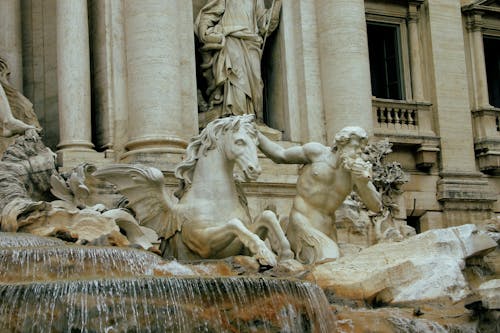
115	248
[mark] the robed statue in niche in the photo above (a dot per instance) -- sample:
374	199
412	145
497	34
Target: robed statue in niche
232	34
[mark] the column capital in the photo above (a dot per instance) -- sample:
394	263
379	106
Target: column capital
475	20
413	8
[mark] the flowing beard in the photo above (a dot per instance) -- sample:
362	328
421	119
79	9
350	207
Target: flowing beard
348	156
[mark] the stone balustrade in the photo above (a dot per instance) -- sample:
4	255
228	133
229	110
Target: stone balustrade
408	123
402	117
487	138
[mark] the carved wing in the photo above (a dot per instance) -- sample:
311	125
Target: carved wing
146	193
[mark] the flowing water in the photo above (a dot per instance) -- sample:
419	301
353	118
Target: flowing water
49	287
66	262
8	239
234	304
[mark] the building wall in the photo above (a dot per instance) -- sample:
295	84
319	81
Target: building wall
143	90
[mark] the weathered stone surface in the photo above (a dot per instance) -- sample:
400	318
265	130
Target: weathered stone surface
82	226
26	168
427	318
490	294
421	268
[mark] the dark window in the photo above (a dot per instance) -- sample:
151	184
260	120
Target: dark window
385	60
492	58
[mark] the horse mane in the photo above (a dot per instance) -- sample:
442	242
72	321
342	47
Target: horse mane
205	141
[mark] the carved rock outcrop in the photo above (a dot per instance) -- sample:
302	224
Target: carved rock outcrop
424	267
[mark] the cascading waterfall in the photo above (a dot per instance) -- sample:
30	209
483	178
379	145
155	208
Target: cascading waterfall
54	263
8	239
150	304
49	287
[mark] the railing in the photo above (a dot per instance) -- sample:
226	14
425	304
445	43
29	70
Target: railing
402	117
487	139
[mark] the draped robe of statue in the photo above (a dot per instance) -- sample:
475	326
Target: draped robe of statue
231	64
16	111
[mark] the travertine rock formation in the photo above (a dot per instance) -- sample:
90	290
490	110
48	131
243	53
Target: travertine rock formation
422	268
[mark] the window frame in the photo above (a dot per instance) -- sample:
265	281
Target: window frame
495	36
404	66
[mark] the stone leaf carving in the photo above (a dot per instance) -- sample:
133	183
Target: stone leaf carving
209	220
83	190
84	193
388	224
425	267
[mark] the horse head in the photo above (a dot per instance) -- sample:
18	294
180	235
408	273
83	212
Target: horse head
239	144
235	137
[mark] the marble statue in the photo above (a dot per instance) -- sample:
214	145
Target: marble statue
16	111
232	34
326	179
208	217
29	185
25	170
356	224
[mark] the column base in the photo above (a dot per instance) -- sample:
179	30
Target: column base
67	159
164	159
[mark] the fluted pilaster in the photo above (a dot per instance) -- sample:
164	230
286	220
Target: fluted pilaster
415	58
474	25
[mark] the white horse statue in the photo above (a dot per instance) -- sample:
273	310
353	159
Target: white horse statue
210	220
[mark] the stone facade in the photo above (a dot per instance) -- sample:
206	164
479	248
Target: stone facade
116	81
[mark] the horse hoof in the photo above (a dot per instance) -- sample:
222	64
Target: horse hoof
268	259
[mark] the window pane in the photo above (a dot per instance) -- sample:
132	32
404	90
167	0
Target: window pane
385	60
492	59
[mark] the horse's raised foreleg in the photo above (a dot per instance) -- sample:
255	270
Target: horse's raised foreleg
219	237
268	226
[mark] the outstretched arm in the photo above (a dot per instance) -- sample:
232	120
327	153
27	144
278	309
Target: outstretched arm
293	155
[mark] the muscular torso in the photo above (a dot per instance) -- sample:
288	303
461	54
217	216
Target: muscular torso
321	189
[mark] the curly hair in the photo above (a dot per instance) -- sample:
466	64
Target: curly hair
344	135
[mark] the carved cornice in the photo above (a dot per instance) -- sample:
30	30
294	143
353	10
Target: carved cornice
484	6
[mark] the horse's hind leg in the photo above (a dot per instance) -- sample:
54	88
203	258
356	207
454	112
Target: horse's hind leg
268	226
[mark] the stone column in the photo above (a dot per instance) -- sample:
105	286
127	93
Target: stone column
474	25
11	40
345	67
415	59
109	70
73	74
158	125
